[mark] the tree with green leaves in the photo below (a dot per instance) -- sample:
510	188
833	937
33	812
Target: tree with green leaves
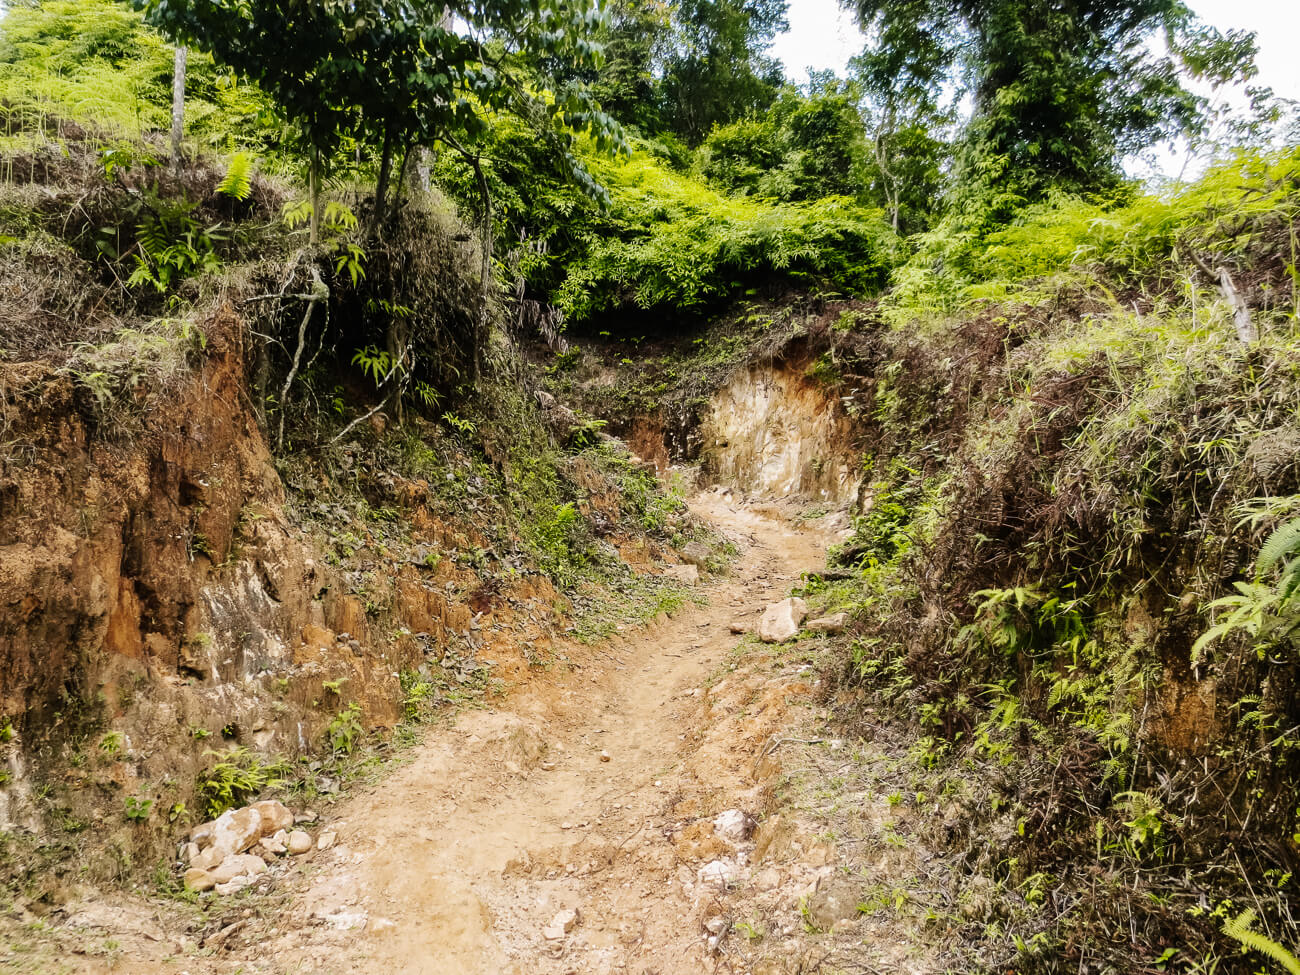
1061	92
636	37
398	73
805	147
718	69
402	74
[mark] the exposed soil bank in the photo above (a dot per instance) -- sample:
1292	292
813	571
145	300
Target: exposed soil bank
167	590
772	431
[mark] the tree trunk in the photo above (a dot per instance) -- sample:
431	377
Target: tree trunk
485	279
381	183
178	105
313	190
1247	333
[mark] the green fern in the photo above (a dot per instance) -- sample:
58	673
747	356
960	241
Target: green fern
238	182
1239	929
1284	543
1282	549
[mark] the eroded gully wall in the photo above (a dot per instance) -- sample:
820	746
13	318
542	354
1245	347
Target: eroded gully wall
773	432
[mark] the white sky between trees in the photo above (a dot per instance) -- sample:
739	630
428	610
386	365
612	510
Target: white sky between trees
824	35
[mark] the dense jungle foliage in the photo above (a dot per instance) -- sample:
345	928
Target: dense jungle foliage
1075	574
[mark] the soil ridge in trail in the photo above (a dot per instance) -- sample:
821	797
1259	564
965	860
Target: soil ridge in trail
586	790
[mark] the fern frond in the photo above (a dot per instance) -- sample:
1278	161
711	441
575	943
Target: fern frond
238	182
297	213
1239	929
1282	544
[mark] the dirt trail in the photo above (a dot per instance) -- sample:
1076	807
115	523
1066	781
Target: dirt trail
457	862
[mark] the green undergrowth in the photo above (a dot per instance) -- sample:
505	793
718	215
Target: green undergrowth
674	244
665	246
1134	245
74	64
1071	458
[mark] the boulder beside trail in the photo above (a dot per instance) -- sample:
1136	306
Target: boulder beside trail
832	624
782	620
696	553
231	850
687	574
234	831
275	816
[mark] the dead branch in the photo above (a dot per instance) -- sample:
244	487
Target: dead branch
1247	332
320	292
393	371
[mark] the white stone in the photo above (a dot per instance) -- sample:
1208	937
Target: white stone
209	858
734	825
718	873
274	845
686	574
326	840
346	920
199	880
234	831
832	624
233	885
275	816
237	865
561	925
299	842
782	620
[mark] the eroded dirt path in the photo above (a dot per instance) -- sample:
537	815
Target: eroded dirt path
593	788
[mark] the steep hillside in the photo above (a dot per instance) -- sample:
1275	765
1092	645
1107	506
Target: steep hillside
191	614
448	527
1065	456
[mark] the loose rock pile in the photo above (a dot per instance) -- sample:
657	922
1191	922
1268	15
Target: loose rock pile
231	851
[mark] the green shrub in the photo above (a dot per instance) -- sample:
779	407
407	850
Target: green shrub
345	730
236	777
674	245
138	810
95	63
1127	238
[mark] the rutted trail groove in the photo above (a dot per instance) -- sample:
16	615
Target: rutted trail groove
459	861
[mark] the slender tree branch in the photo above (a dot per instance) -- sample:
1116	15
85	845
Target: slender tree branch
320	292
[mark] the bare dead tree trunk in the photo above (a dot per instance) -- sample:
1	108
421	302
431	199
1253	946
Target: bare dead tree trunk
319	292
178	105
887	180
1247	331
